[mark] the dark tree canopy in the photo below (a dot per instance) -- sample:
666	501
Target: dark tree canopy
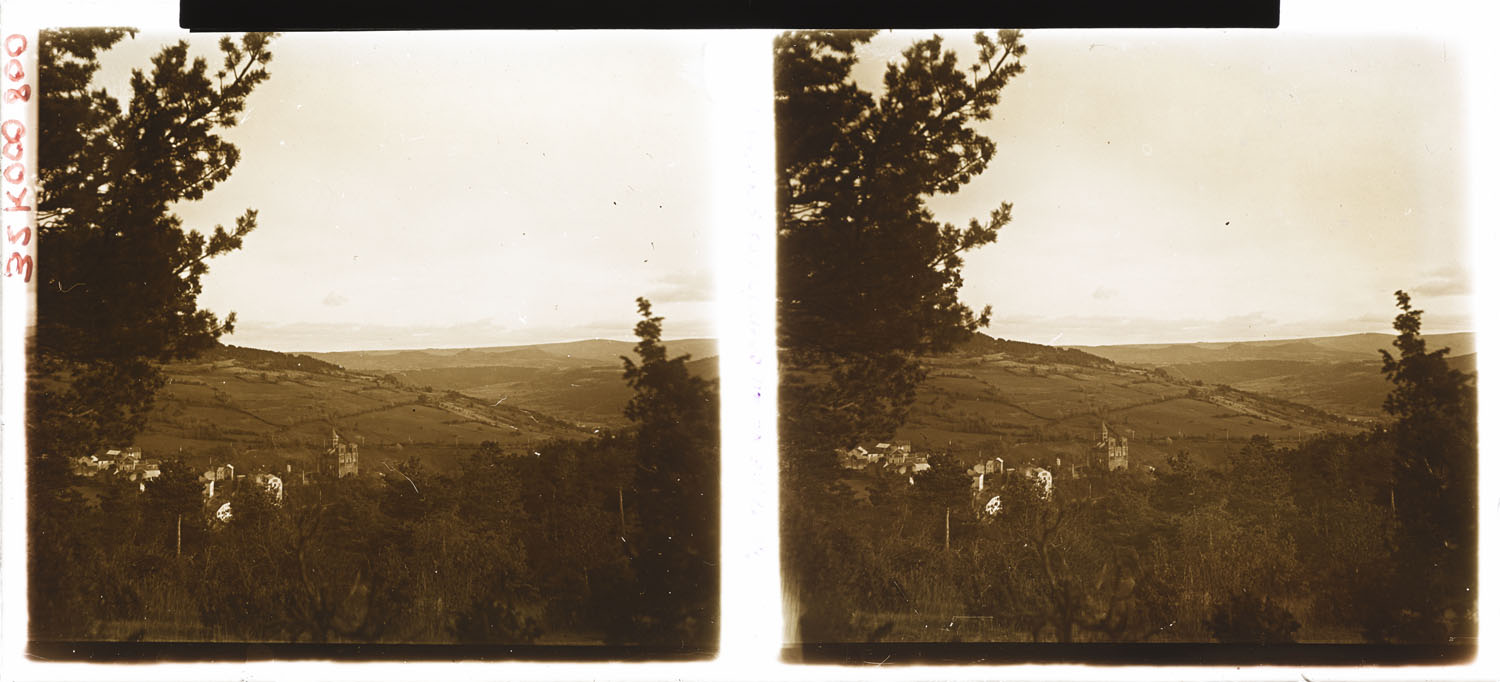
1435	487
864	266
120	274
676	484
119	265
867	277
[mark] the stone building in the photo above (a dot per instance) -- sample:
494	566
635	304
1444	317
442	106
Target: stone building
1112	452
340	459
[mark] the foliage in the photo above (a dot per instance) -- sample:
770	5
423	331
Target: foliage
121	279
676	478
1277	542
510	547
119	264
864	266
1076	561
868	278
1248	620
1434	490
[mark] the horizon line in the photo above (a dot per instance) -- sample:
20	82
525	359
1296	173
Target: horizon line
430	348
1255	340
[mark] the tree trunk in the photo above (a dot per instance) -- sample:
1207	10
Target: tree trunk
947	527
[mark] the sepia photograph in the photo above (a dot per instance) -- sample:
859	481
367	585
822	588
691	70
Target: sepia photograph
373	339
506	345
1091	338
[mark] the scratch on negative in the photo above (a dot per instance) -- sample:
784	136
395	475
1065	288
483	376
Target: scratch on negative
403	475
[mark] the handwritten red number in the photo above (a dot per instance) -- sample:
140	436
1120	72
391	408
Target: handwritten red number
19	261
11	48
11	131
24	235
21	94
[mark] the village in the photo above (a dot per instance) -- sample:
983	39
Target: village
1111	453
220	482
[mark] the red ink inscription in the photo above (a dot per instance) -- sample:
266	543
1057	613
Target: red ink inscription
20	262
15	201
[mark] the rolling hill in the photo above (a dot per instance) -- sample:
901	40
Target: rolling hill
579	381
1013	404
1340	374
1346	348
262	408
589	353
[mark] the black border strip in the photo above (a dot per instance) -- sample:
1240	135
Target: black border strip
208	652
1132	654
309	15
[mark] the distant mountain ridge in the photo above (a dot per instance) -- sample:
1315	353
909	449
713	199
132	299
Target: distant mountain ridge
560	355
1344	348
581	381
1340	374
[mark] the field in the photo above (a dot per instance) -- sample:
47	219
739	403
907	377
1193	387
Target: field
579	381
1337	374
261	414
978	406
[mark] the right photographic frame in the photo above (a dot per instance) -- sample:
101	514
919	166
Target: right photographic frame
1125	346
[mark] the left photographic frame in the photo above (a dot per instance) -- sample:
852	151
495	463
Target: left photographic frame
372	345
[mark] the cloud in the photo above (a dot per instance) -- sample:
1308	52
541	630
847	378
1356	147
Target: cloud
1446	281
334	298
682	287
1105	293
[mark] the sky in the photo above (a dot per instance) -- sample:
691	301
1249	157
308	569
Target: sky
461	189
1217	185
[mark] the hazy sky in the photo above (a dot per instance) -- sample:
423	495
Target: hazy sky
1204	185
460	189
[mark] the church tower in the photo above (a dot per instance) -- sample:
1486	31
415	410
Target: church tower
1112	452
340	459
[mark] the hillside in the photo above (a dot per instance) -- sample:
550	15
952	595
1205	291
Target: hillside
1346	348
996	405
1339	374
983	344
261	408
580	381
568	354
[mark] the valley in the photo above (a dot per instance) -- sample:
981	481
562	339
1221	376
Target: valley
1002	398
260	409
578	381
1339	374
